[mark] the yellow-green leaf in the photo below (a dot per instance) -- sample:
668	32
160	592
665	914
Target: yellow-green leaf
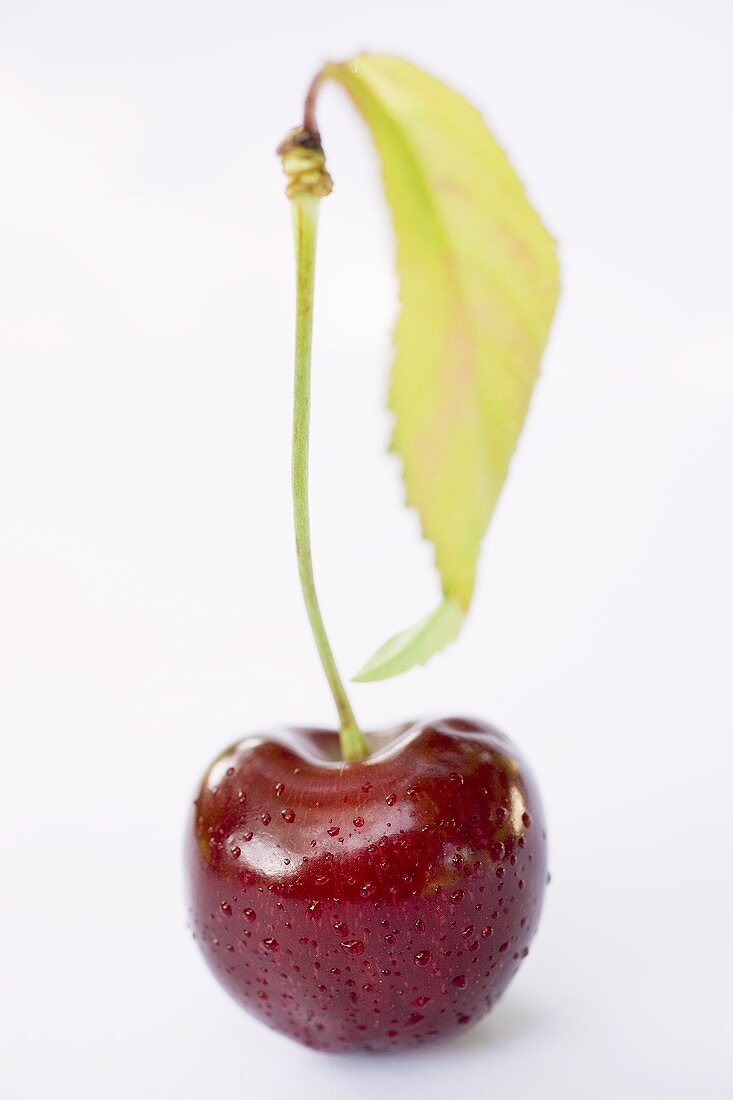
478	286
416	645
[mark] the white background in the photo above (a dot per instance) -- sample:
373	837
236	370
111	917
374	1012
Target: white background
149	609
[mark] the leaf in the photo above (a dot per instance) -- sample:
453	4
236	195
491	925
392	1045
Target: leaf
416	645
478	287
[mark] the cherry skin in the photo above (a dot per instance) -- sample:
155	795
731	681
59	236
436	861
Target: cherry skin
369	905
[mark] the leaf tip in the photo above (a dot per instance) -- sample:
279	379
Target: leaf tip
414	646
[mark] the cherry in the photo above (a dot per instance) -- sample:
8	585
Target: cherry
365	891
374	904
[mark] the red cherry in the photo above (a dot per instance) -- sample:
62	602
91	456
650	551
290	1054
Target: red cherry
411	880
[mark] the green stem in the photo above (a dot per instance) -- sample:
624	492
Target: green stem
305	224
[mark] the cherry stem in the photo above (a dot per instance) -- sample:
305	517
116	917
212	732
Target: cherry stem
309	110
305	225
